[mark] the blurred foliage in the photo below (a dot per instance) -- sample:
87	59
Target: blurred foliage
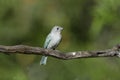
88	25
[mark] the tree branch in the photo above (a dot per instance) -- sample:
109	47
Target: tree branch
23	49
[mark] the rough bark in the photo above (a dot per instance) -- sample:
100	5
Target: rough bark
24	49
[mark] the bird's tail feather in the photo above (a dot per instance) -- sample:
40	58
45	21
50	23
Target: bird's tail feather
43	60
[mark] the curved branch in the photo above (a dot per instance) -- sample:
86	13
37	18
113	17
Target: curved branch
24	49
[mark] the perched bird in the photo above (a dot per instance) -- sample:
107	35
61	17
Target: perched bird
52	41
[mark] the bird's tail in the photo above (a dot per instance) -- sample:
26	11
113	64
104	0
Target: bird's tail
43	60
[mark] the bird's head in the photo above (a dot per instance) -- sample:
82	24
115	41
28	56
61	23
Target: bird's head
57	29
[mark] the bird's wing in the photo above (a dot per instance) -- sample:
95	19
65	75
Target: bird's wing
48	39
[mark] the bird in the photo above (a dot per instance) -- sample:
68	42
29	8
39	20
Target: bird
52	41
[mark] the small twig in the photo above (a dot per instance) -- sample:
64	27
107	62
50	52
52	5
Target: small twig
23	49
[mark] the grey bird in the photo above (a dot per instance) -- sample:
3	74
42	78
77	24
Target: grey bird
52	41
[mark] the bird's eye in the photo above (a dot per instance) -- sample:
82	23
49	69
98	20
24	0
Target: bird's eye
57	28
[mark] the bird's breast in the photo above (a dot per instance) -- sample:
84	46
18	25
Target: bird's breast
55	40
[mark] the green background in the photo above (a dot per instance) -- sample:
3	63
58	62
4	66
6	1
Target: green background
88	25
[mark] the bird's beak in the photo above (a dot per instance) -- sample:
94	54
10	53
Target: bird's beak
61	28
